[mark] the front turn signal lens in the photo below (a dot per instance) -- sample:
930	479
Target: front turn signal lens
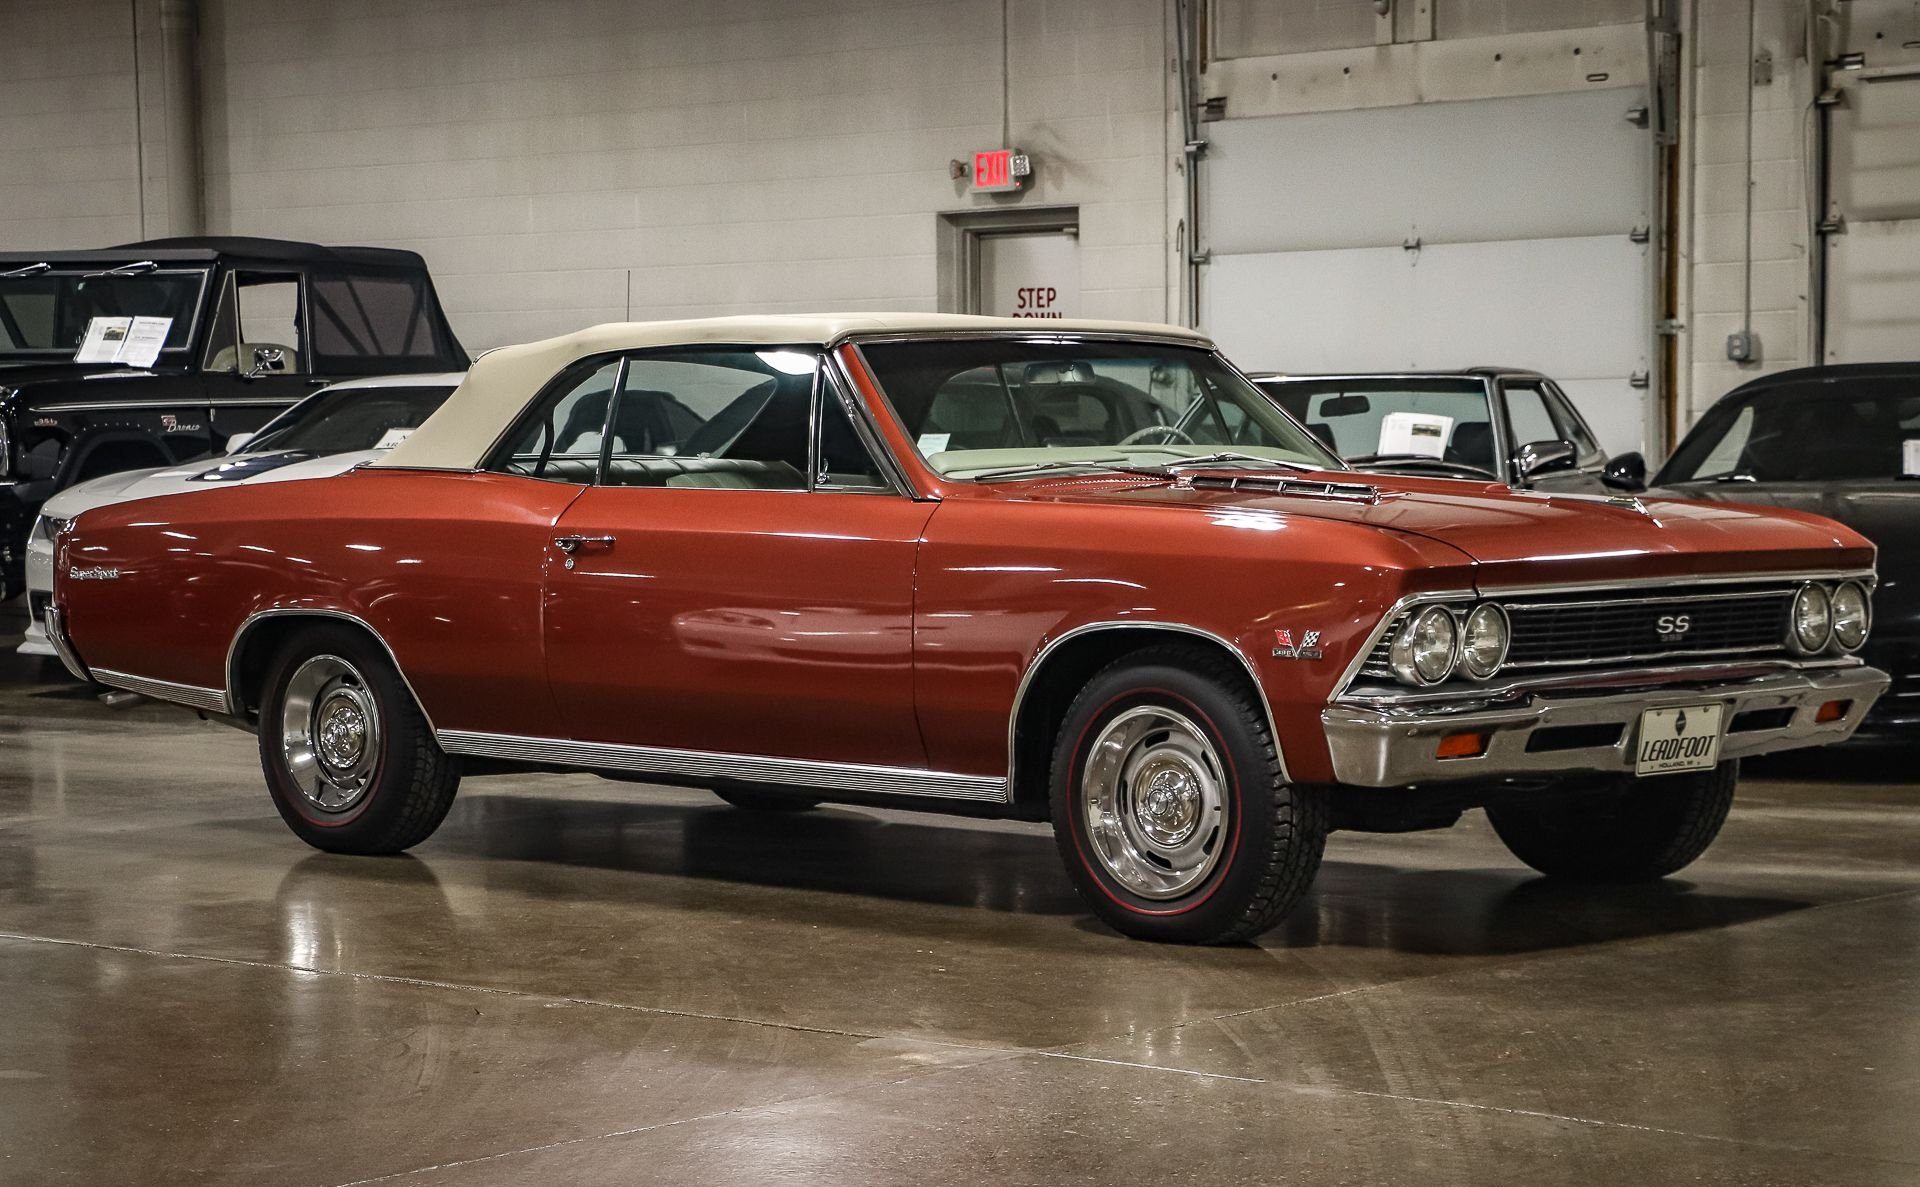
1831	711
1469	744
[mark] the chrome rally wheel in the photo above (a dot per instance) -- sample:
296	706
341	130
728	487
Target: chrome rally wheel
349	757
330	733
1153	798
1170	804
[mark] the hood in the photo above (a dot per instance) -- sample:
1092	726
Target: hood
1512	537
207	473
1886	512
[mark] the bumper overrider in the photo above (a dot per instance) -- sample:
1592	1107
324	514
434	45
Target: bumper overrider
1541	733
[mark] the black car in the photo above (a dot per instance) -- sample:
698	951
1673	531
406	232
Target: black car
1843	442
236	330
1496	423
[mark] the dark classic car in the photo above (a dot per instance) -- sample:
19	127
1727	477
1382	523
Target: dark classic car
1844	442
237	330
844	558
1508	425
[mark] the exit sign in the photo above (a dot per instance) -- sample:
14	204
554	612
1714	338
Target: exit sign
1000	170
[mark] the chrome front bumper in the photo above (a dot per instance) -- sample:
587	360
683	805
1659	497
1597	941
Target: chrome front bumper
1394	746
69	658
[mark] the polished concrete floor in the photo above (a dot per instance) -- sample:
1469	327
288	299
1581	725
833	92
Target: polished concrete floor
582	982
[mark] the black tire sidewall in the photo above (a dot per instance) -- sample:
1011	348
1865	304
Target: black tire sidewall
376	812
1218	903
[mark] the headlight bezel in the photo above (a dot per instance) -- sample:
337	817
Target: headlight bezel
1797	641
1836	639
1402	655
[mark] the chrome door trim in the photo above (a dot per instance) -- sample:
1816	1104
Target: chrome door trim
1033	666
230	696
746	768
207	700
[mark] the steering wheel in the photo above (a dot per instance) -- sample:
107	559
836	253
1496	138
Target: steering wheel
1175	435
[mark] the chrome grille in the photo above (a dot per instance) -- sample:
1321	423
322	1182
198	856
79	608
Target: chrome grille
1590	629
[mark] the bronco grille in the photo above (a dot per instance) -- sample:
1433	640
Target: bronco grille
1625	628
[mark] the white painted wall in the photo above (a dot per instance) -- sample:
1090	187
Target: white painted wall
741	155
578	161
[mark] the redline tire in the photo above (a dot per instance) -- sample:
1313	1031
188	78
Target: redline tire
385	795
1643	831
1199	840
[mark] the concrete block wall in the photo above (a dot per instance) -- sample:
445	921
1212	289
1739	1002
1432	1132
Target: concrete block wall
68	152
1715	225
578	161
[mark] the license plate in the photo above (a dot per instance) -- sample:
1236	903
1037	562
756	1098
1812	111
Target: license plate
1683	739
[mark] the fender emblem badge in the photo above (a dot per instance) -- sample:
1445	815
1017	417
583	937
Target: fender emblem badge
1285	648
93	574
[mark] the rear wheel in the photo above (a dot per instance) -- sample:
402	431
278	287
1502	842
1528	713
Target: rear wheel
349	759
1169	807
768	801
1639	831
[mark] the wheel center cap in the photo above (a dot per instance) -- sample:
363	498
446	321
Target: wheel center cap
1169	807
342	734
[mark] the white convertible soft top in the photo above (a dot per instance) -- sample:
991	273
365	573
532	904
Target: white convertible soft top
502	381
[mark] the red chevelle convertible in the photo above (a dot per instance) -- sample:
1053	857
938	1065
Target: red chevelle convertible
1077	571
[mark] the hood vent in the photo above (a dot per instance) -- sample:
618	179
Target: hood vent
1343	492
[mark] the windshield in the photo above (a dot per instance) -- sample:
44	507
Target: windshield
1401	419
1810	433
979	408
346	420
46	312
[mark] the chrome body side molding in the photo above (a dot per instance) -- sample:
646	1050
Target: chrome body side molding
233	701
1026	678
57	639
746	768
207	700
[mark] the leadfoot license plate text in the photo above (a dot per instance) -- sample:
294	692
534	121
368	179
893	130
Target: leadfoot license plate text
1684	739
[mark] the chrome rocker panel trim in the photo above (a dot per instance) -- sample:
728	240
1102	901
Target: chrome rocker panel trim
746	768
1386	746
207	700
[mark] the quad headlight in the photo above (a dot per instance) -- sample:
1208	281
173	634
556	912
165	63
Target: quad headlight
1483	642
1851	615
1810	626
1426	647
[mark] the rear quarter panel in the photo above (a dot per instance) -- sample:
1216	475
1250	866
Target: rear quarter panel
445	567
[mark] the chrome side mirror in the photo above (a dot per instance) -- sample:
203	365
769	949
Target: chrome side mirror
267	360
1542	457
1626	472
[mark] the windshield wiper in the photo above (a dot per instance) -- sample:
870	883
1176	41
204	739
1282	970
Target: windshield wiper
1392	460
1066	464
123	270
1228	455
29	270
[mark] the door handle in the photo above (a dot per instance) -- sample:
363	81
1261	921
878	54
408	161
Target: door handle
573	546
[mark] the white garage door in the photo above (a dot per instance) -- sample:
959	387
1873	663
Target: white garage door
1873	183
1492	232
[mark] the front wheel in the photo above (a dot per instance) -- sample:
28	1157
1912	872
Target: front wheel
349	759
1169	807
1638	831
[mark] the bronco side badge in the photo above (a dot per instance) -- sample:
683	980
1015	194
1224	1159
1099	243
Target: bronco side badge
1285	648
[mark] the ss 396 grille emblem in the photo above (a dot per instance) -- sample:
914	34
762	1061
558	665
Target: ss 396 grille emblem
1672	628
